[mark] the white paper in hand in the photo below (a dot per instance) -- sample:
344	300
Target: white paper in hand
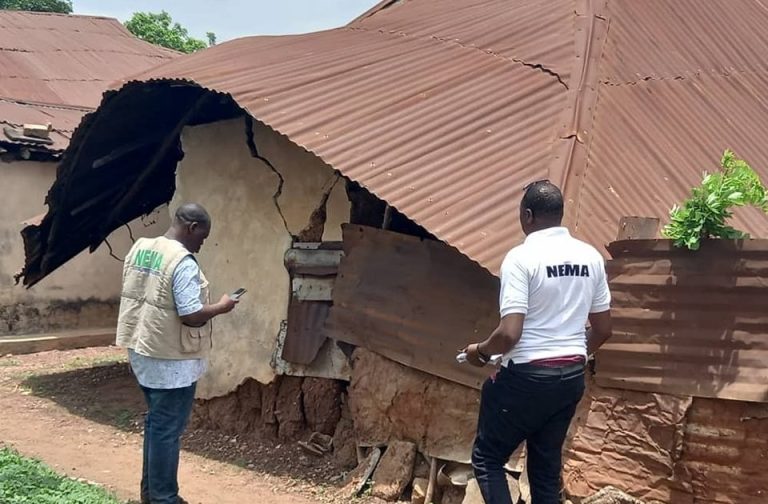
495	359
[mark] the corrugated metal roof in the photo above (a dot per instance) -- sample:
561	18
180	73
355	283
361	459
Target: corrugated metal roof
538	32
676	89
693	325
447	132
54	67
447	109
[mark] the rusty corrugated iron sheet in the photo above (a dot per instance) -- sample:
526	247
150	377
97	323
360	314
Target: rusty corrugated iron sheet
304	334
688	324
675	90
447	134
654	139
54	67
392	296
17	114
537	32
447	109
668	449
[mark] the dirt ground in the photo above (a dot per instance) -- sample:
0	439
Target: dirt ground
81	412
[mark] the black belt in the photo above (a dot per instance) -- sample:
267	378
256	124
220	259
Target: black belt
533	369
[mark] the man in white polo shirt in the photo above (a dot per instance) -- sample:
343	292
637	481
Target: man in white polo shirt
550	286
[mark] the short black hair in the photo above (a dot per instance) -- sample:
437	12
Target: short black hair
193	212
544	200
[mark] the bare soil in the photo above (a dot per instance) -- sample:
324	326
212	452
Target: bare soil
81	412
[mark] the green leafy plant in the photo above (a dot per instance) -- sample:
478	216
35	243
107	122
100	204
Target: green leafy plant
160	29
61	6
27	481
704	214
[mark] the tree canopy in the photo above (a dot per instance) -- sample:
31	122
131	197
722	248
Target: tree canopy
61	6
159	29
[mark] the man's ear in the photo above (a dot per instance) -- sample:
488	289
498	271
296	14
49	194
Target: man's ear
193	226
528	215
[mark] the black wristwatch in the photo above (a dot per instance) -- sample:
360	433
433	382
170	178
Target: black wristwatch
480	355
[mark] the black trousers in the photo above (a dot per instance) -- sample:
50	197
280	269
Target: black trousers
523	404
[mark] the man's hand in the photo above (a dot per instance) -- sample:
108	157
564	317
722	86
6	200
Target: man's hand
198	319
473	355
226	304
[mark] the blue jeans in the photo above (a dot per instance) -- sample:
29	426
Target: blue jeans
523	406
169	411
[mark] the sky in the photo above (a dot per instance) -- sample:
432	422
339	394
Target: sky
230	19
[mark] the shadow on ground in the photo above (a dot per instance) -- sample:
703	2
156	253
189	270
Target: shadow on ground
108	394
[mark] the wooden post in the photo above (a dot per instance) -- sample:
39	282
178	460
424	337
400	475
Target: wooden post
432	481
638	228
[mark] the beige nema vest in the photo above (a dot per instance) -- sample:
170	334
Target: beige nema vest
148	322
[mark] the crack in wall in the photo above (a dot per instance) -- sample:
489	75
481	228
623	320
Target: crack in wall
488	52
313	231
255	153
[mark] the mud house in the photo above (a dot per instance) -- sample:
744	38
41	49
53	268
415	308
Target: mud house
364	184
53	70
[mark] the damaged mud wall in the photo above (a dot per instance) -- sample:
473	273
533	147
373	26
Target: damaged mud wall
262	191
85	292
438	416
289	409
664	448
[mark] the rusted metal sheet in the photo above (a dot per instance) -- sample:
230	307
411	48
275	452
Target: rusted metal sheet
304	334
54	68
313	268
533	32
653	140
446	109
68	60
669	449
663	39
689	323
65	119
415	302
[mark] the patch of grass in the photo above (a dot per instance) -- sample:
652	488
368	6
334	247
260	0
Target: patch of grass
102	360
28	481
124	419
9	362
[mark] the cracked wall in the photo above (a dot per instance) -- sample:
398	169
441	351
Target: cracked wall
257	210
85	292
665	448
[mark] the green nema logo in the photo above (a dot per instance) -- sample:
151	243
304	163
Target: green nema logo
148	259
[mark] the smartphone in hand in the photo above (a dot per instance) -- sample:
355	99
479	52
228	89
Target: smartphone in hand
239	292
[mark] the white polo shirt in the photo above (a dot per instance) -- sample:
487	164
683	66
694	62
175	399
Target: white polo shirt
556	281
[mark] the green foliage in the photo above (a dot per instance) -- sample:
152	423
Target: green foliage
61	6
159	29
704	214
26	481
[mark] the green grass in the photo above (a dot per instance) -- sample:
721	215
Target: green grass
101	360
28	481
9	362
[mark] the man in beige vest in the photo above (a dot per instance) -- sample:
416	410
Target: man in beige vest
165	323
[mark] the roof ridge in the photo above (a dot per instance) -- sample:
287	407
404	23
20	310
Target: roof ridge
10	12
